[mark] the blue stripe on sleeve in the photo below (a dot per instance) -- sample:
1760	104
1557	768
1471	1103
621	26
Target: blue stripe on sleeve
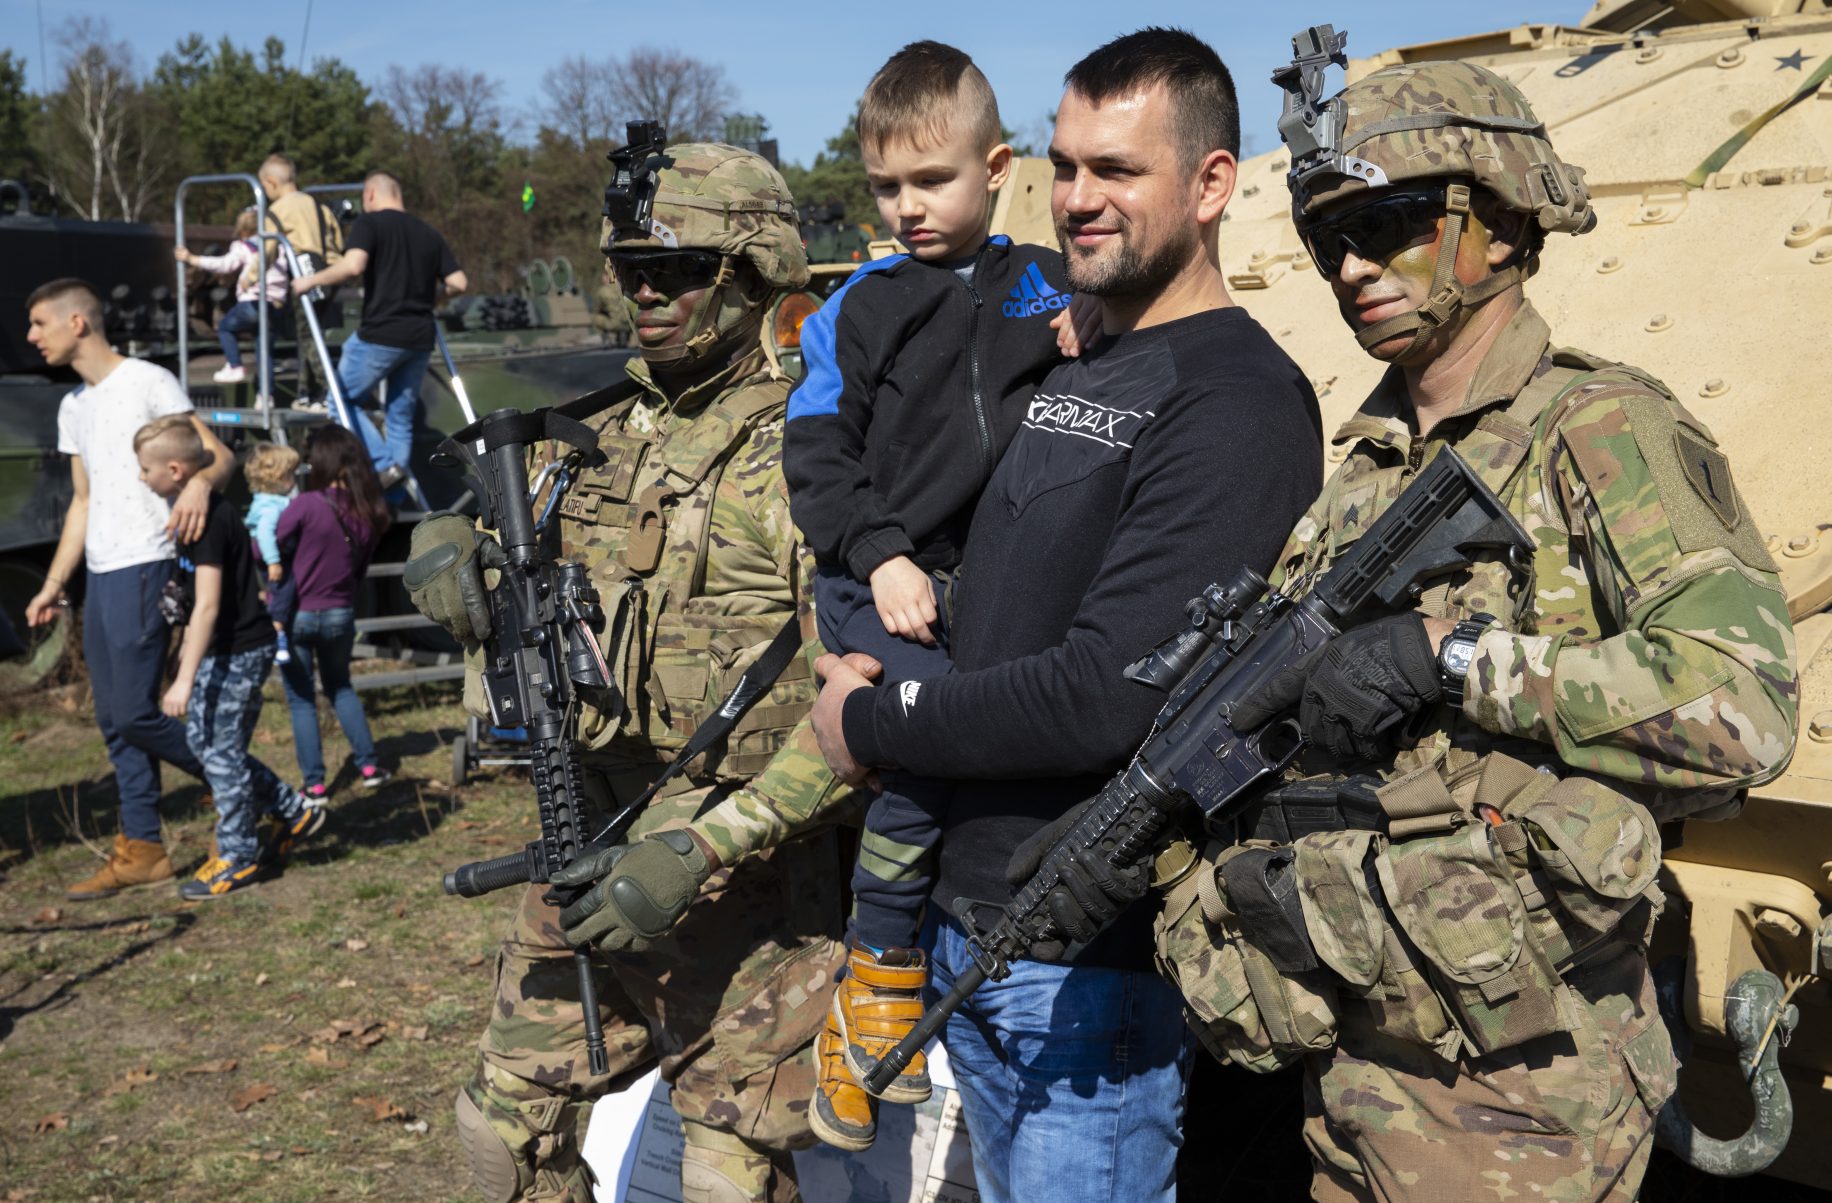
819	390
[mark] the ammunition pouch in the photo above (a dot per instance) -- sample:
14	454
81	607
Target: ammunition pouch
1455	926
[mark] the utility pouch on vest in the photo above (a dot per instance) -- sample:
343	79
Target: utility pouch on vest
1291	812
699	656
1241	1008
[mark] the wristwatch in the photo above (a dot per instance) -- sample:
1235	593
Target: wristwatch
1456	653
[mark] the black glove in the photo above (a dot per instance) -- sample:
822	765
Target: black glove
1355	694
1091	893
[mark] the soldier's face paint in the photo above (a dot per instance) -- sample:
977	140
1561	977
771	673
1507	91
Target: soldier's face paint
933	195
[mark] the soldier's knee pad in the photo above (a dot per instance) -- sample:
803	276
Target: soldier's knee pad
718	1167
522	1150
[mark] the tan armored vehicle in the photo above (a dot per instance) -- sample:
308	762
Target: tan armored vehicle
1705	131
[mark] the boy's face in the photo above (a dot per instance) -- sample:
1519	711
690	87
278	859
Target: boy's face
933	198
163	476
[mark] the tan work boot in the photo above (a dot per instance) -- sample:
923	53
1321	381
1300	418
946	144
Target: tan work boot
843	1115
878	1002
132	863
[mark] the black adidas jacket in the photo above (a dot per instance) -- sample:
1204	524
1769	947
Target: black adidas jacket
914	383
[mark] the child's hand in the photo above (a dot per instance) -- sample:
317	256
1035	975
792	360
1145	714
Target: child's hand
176	699
905	597
1077	326
182	254
275	573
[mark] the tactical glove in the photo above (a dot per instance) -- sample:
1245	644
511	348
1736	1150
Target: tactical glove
1355	695
1090	894
637	891
443	577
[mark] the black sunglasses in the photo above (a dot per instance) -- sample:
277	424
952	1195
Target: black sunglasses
1374	231
669	273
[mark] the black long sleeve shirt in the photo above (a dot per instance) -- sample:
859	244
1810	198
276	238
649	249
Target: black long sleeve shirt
1161	460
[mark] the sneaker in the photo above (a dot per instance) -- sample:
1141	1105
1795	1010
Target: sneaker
282	654
278	835
391	476
219	877
375	776
308	406
229	375
877	1003
317	791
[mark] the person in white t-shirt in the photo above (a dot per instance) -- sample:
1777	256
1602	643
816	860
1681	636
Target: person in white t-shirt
123	533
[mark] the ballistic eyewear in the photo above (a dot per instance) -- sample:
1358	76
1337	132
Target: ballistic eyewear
669	273
1374	231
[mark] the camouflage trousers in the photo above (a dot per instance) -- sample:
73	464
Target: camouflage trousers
728	1005
1565	1118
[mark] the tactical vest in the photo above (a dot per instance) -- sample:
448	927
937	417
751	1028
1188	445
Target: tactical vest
1456	932
641	521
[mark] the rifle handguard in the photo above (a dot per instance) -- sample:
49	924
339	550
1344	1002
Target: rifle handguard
487	876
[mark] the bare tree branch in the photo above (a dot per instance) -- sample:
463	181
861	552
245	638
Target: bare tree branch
688	95
104	142
579	100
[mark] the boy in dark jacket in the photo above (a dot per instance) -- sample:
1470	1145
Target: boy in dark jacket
917	374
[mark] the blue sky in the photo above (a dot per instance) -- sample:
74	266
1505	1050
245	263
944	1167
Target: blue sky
802	64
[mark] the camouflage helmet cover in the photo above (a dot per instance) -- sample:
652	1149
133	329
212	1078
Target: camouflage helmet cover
721	198
1435	121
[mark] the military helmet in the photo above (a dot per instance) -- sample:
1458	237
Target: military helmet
1417	122
709	196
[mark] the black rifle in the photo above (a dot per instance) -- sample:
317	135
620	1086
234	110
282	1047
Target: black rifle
1195	765
542	647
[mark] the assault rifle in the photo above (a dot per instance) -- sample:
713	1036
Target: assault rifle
544	615
1195	767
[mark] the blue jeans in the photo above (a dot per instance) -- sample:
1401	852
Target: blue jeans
225	704
124	642
1071	1078
244	318
365	365
324	636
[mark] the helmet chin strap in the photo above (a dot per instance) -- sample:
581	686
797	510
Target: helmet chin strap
703	332
1448	294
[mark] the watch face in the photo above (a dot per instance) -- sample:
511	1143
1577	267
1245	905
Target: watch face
1458	655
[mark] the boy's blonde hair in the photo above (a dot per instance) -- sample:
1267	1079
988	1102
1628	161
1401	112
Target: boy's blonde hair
270	468
174	437
924	93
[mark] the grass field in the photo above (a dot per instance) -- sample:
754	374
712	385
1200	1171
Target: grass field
298	1041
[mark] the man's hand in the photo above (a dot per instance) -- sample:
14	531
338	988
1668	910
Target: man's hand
905	597
304	284
189	511
176	698
443	578
637	891
1078	326
842	675
275	574
43	606
1090	894
1355	695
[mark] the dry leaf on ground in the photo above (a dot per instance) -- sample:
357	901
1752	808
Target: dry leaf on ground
226	1065
380	1109
55	1122
49	914
248	1096
474	962
414	1031
355	944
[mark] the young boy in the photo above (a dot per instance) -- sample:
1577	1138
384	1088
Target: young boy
918	372
228	648
271	474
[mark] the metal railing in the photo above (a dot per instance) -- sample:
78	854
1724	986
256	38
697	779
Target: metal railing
263	362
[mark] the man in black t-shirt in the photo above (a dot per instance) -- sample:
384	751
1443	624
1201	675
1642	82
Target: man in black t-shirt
228	648
402	262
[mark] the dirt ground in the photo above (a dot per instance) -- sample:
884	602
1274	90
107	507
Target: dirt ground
298	1041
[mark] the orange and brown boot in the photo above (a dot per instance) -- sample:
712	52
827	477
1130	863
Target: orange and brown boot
843	1115
132	863
878	1002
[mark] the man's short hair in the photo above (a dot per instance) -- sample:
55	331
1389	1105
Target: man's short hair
278	168
1205	113
71	293
925	92
174	437
382	182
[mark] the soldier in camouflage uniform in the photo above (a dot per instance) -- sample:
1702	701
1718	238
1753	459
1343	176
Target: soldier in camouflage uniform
684	528
1475	1010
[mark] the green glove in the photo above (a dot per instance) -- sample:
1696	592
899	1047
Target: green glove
443	578
640	890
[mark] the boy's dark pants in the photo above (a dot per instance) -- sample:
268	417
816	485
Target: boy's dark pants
895	871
